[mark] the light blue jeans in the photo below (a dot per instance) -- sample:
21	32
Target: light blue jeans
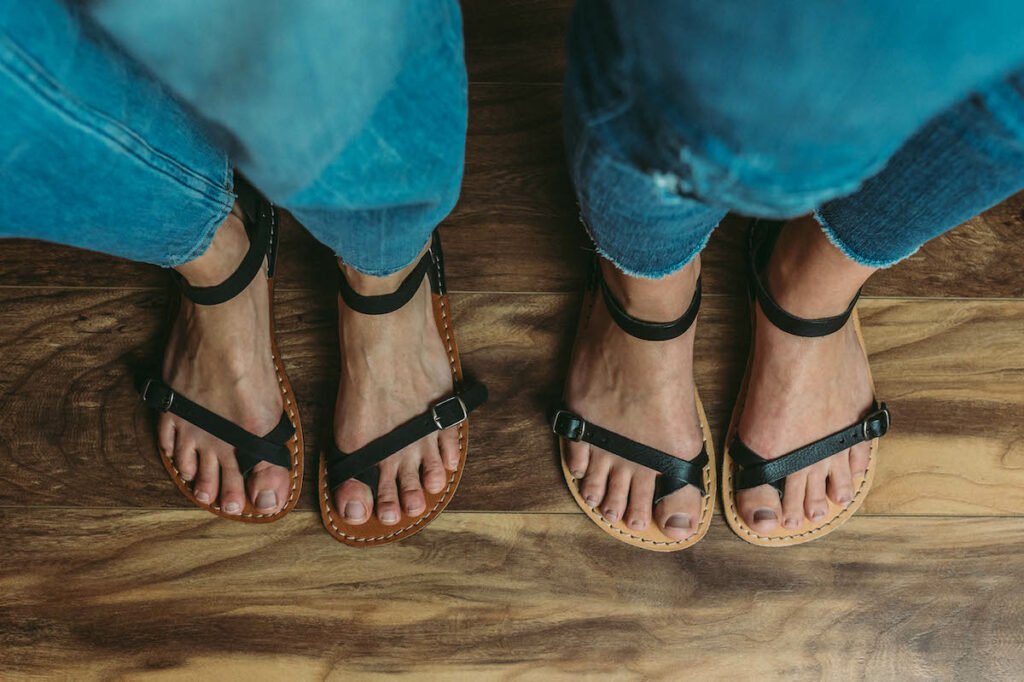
893	121
122	121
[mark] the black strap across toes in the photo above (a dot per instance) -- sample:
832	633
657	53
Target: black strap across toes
673	472
754	470
444	414
250	449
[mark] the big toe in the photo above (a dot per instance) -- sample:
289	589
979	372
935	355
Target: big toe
354	502
269	487
678	514
760	508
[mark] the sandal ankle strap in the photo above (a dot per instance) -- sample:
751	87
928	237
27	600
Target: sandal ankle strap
762	238
260	224
644	329
431	265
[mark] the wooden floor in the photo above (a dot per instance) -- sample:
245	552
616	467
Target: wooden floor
105	571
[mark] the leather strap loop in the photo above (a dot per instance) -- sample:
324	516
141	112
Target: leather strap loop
650	331
762	238
261	226
250	449
444	414
674	473
756	470
431	264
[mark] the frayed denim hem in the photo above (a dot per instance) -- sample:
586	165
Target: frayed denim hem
648	274
838	242
210	229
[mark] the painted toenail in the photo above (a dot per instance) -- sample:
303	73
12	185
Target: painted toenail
266	499
764	515
203	497
232	507
354	511
678	521
389	516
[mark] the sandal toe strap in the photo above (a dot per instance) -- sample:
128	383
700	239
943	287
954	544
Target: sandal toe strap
674	473
362	463
755	470
250	449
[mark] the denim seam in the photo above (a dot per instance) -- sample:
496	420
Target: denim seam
210	228
847	251
22	68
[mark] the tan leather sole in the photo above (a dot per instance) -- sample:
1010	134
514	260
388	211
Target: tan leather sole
373	532
652	538
836	515
295	446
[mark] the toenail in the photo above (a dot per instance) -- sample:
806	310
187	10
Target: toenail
636	523
203	497
764	515
389	516
266	499
817	515
232	507
610	514
792	523
844	499
186	477
354	511
678	521
577	474
592	501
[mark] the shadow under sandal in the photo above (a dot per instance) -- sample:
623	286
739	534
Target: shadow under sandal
743	468
673	473
283	445
336	466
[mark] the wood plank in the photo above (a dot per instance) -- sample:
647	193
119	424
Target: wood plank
515	228
516	41
90	593
73	433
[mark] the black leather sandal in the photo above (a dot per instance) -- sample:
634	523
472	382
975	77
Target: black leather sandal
282	446
673	473
742	467
336	466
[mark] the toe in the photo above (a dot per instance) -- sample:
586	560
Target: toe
165	435
576	458
435	478
760	508
268	487
860	455
185	458
678	514
840	481
815	502
448	440
793	500
410	486
641	500
595	482
207	478
615	498
232	488
388	510
354	502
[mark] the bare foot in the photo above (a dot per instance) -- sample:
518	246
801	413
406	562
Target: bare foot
643	390
394	366
220	357
802	389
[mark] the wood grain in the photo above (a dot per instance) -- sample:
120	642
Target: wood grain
516	41
515	228
172	594
74	434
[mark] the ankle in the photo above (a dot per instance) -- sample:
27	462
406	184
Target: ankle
370	285
808	275
654	300
226	251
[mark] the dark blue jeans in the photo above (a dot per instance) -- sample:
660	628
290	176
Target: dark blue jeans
892	121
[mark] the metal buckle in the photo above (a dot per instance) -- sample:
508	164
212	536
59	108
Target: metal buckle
168	401
441	426
576	434
883	413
